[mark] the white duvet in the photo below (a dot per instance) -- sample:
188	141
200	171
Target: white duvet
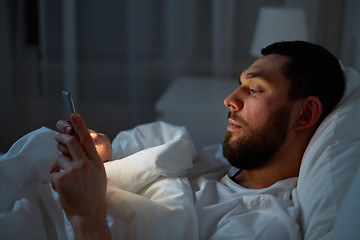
147	196
156	190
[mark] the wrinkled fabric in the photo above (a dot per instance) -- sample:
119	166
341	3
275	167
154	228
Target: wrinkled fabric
227	210
158	188
148	196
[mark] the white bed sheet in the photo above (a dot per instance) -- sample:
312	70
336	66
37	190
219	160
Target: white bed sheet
156	190
153	202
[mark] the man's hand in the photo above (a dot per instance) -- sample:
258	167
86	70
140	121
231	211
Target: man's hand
101	141
78	175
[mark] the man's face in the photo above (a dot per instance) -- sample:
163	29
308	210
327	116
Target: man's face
260	114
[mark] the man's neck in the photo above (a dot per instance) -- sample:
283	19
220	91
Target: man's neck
283	167
257	179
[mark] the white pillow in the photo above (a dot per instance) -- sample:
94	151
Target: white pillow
347	222
330	163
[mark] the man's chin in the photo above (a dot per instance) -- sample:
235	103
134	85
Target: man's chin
231	137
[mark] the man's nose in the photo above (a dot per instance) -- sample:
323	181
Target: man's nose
234	101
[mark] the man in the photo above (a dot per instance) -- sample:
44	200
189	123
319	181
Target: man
273	114
281	101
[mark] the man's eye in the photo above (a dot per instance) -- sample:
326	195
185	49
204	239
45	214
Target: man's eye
253	90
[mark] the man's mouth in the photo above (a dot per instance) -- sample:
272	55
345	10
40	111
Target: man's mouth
233	125
235	122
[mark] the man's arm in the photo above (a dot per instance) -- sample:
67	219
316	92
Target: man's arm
78	175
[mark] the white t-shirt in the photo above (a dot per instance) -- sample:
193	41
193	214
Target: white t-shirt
227	210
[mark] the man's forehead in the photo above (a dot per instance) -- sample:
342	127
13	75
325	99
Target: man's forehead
268	67
257	72
254	73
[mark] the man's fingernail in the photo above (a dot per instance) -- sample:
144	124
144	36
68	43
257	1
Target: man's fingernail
76	117
68	130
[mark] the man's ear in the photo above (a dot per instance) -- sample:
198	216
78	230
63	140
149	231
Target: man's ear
309	113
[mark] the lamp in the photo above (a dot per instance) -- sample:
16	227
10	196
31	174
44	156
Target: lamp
276	24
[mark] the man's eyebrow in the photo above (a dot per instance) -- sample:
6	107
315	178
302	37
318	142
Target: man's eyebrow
256	75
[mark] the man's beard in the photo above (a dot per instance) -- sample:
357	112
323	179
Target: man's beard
257	147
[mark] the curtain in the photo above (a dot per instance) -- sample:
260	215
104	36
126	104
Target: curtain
350	47
325	21
116	57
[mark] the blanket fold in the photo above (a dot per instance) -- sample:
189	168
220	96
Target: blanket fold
148	196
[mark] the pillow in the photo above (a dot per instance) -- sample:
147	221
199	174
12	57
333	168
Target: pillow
347	222
330	163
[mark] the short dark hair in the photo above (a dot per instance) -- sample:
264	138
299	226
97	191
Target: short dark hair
313	71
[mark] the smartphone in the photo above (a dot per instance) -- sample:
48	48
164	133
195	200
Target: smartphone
69	108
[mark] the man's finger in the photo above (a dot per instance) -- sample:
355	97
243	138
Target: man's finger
62	148
84	136
73	145
62	162
64	126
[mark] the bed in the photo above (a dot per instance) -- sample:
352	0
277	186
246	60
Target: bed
157	156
